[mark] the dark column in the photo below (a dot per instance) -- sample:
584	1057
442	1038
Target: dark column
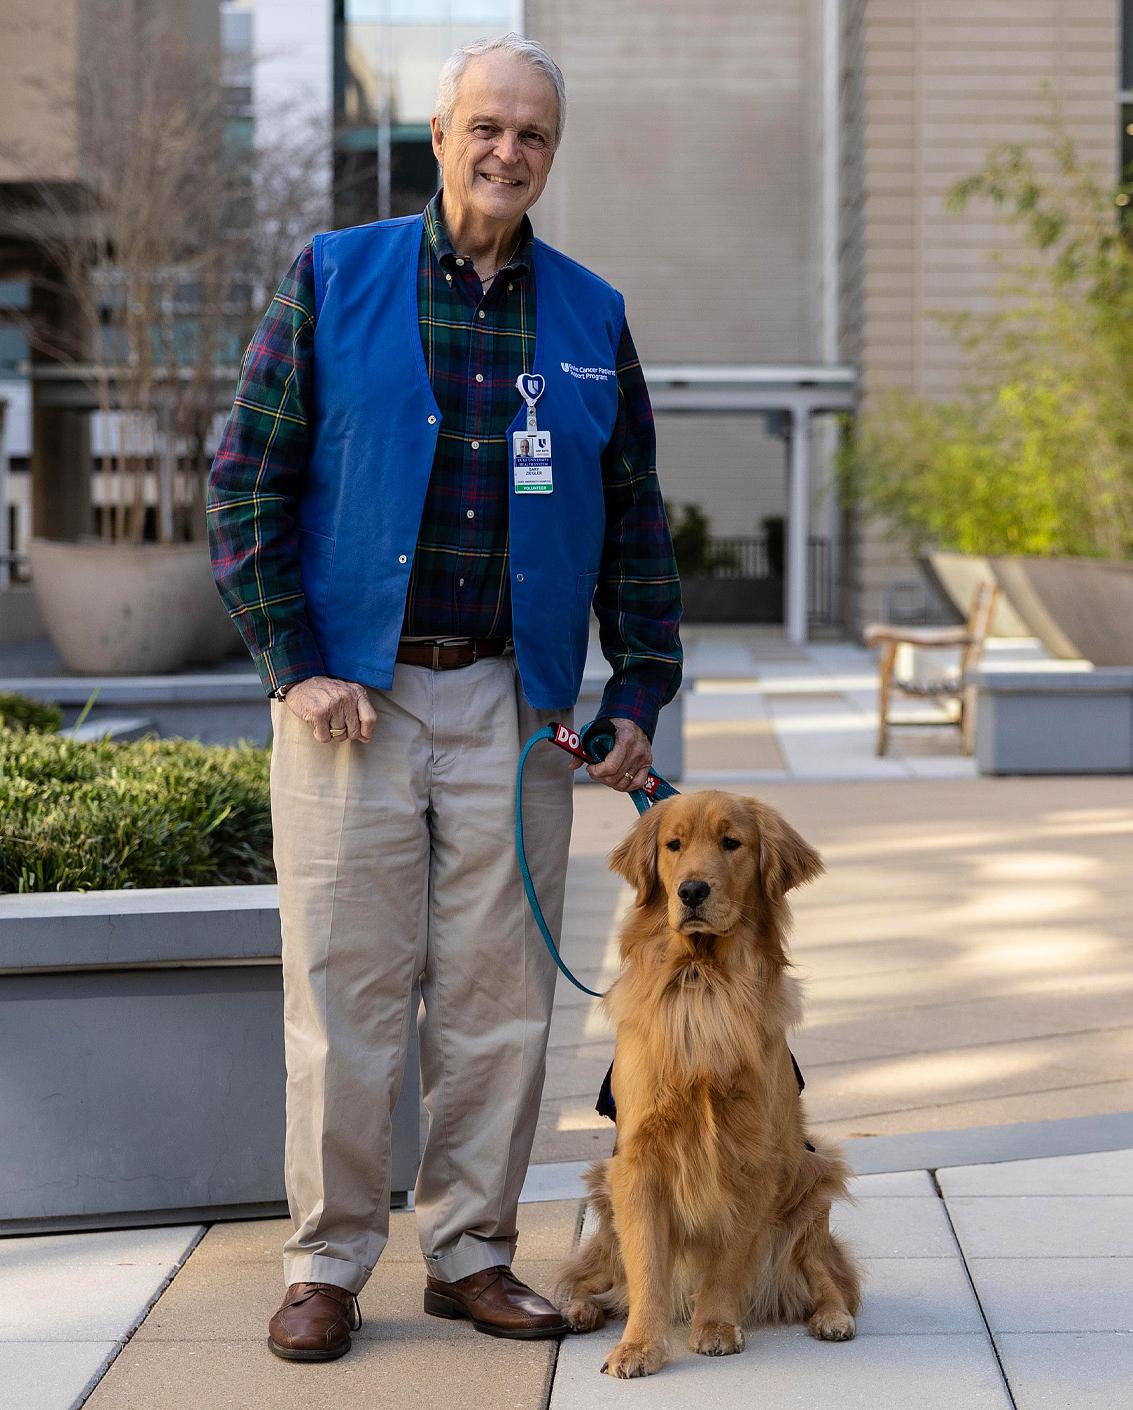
61	448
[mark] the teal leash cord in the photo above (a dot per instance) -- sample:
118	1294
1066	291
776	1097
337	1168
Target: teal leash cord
598	735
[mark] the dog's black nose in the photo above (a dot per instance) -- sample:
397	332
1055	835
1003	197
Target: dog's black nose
693	892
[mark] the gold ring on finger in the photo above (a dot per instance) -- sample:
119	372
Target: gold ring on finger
337	733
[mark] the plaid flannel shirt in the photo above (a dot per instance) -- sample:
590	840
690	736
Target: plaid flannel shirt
459	582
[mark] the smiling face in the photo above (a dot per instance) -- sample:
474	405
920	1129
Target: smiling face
497	152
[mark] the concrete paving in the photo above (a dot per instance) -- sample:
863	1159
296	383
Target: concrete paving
994	1285
968	980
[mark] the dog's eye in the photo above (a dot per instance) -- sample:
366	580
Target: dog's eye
674	845
729	844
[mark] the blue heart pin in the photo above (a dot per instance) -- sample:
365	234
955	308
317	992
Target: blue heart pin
530	386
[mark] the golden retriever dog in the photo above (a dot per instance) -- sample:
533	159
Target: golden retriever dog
712	1207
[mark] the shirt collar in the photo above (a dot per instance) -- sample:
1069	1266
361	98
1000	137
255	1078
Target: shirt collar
445	255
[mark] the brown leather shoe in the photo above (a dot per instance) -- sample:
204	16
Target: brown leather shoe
314	1323
495	1302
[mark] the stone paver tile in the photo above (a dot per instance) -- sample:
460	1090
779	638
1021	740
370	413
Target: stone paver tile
1043	1226
579	1076
546	1230
552	1145
789	1370
49	1375
908	1296
1071	1371
76	1303
894	1083
1095	1099
556	1181
1055	1294
948	982
235	1303
159	1246
1101	1173
898	1182
422	1371
895	1227
975	1021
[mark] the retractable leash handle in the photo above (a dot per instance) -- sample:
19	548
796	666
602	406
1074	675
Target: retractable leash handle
592	744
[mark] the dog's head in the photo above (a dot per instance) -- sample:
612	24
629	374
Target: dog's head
714	861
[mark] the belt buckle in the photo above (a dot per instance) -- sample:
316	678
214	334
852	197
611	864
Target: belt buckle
436	656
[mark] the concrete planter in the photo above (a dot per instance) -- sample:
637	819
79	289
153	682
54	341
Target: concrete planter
141	1041
1060	720
122	609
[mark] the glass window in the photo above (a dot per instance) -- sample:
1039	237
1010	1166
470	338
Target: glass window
387	57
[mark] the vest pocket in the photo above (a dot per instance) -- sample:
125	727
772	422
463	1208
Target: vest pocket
580	626
316	555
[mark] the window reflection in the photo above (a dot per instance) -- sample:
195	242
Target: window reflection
387	55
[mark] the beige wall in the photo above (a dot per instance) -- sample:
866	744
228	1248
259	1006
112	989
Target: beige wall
688	177
928	88
38	54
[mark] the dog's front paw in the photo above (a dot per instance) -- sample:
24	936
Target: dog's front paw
832	1325
717	1339
582	1315
634	1358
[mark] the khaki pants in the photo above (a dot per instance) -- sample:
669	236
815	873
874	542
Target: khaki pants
396	864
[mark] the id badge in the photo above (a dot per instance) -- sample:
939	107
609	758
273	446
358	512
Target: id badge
531	462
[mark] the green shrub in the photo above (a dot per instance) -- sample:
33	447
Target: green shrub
692	542
156	812
20	712
1036	455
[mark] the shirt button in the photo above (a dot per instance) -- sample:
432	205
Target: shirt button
449	278
480	314
519	577
510	287
461	583
471	513
402	558
475	445
461	263
479	376
432	420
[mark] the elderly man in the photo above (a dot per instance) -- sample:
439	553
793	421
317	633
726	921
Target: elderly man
440	454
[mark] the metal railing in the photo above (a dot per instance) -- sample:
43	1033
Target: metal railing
748	556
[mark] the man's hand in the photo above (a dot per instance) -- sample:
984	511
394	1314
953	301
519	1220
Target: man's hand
327	704
626	766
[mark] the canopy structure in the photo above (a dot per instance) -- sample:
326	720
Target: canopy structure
790	392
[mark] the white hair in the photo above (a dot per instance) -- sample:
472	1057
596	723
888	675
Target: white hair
529	50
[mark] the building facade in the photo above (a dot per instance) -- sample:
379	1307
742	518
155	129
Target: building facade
764	180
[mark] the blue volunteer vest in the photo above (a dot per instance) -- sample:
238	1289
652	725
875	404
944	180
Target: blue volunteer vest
373	437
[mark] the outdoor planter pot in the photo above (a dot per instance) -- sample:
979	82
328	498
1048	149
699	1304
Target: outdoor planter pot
141	1042
121	609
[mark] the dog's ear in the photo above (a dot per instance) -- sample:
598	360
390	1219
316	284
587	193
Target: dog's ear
786	860
635	857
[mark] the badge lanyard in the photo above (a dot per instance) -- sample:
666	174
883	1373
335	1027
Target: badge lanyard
531	449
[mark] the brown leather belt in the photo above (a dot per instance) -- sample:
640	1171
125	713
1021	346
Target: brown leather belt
448	657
